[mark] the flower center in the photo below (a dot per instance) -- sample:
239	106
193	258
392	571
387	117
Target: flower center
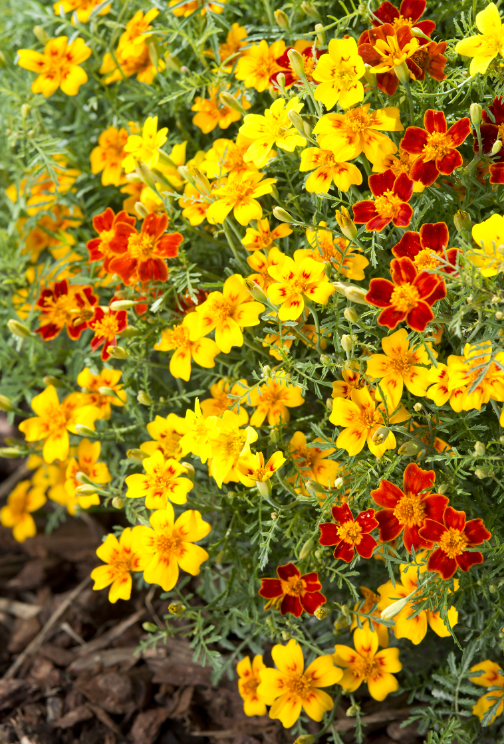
405	298
18	507
388	205
141	245
222	309
161	480
230	444
421	58
367	667
438	145
309	455
107	327
122	562
453	542
177	337
169	443
344	75
410	510
300	687
369	416
105	237
357	121
294	586
350	532
55	419
251	685
238	190
169	545
426	259
491	44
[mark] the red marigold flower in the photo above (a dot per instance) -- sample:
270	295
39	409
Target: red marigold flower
291	78
430	59
105	225
63	305
409	296
384	48
424	247
349	535
106	327
408	14
436	146
491	132
293	592
406	511
390	204
142	254
454	536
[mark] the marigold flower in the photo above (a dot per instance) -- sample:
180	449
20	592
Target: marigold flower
106	225
258	63
273	399
328	169
492	677
485	47
144	148
220	400
105	327
370	600
339	73
253	470
121	559
194	205
427	247
199	432
121	66
297	280
406	510
409	296
274	128
367	664
453	536
161	482
226	156
51	233
386	48
107	378
339	253
400	163
50	478
291	592
312	462
166	436
390	204
54	420
310	57
430	60
261	264
57	67
86	462
405	626
232	48
229	312
22	500
248	682
489	237
83	8
293	688
239	194
435	146
408	14
263	238
64	305
187	341
349	535
359	130
399	366
227	444
351	381
188	8
108	156
212	112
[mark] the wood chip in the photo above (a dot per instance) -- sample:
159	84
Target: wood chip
19	609
82	713
148	724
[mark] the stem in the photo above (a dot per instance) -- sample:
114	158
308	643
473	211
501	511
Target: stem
317	327
410	101
269	12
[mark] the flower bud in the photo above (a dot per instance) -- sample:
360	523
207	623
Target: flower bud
306	129
475	112
329	403
118	352
122	304
370	76
41	34
177	608
255	290
499	315
479	449
282	19
345	611
409	449
145	174
150	627
346	224
297	122
496	147
264	488
52	380
190	470
442	489
462	221
307	548
310	10
381	435
285	635
350	315
306	738
18	329
402	72
280	81
351	292
339	483
347	343
353	710
136	454
321	37
482	473
321	613
153	55
3	65
417	407
84	431
297	62
274	437
395	608
144	398
274	515
201	181
10	453
141	210
83	478
314	487
117	502
220	557
6	404
186	174
25	110
282	215
231	102
86	490
231	494
325	359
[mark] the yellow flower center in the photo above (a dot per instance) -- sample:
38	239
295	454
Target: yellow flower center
141	245
357	121
264	68
344	76
169	442
391	53
350	532
401	364
491	44
63	309
177	337
160	479
55	418
294	586
271	394
369	417
453	542
426	259
299	686
309	66
105	237
309	455
405	298
410	510
238	190
388	205
230	444
421	58
251	685
122	562
107	327
222	309
366	667
438	145
169	544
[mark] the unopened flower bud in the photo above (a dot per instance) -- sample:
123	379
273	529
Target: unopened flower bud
310	10
177	608
475	112
83	478
145	174
282	215
350	315
264	488
482	473
52	380
255	290
201	181
321	37
370	76
479	449
274	515
285	635
122	304
347	343
84	431
6	404
3	64
144	398
86	490
282	19
18	329
297	62
345	611
186	174
172	62
41	34
417	407
314	487
380	435
153	55
395	608
10	453
353	710
274	437
442	488
346	224
136	454
351	292
297	122
190	469
402	72
307	548
220	557
339	483
499	315
150	627
231	102
321	613
325	359
462	221
329	403
25	110
105	390
409	449
141	210
496	147
118	352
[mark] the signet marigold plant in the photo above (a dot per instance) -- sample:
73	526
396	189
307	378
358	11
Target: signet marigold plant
252	268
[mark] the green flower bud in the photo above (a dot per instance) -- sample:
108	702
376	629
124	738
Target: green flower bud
6	404
475	111
18	329
408	449
122	304
118	352
483	473
231	102
282	215
150	627
381	435
136	454
141	211
84	431
479	449
41	34
307	548
282	19
462	221
144	398
177	608
117	502
350	315
10	453
353	710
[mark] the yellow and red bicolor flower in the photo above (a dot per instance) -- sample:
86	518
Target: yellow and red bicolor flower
453	536
399	163
261	264
339	73
428	249
296	280
221	400
16	514
349	534
107	378
273	399
166	434
367	664
65	305
435	146
248	682
253	470
310	55
492	677
328	168
293	688
352	380
120	559
408	14
313	463
390	204
57	67
105	327
263	238
385	48
212	112
405	511
338	253
239	194
141	256
409	296
292	592
188	342
163	480
106	225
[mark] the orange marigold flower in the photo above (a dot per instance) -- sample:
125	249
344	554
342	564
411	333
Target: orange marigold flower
107	157
293	592
106	327
408	14
62	304
106	225
212	112
390	204
385	48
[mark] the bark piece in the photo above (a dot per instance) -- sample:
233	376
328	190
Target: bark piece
148	724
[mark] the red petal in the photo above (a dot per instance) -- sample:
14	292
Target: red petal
476	532
379	183
434	121
387	13
450	161
154	225
342	514
403	218
411	538
438	294
441	564
103	221
387	495
403	187
426	26
380	292
497	173
466	559
378	223
418	318
369	54
416	480
460	131
409	245
432	530
435	506
312	601
426	173
345	551
497	109
414	140
312	582
364	211
454	519
390	318
388	525
291	605
413	9
287	571
270	588
434	235
168	245
367	521
388	82
426	284
49	332
329	534
366	546
403	271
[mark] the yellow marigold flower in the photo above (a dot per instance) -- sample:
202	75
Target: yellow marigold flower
258	63
188	342
232	48
399	366
328	169
489	237
108	156
253	470
261	264
248	682
492	677
161	482
338	253
273	399
367	664
169	545
228	443
115	394
485	47
339	73
186	9
405	626
121	560
83	8
194	205
227	156
200	431
86	462
57	67
293	688
144	147
312	462
166	436
43	189
229	312
132	41
359	130
297	280
117	67
274	127
50	478
212	112
54	420
220	402
351	381
239	193
263	238
22	500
